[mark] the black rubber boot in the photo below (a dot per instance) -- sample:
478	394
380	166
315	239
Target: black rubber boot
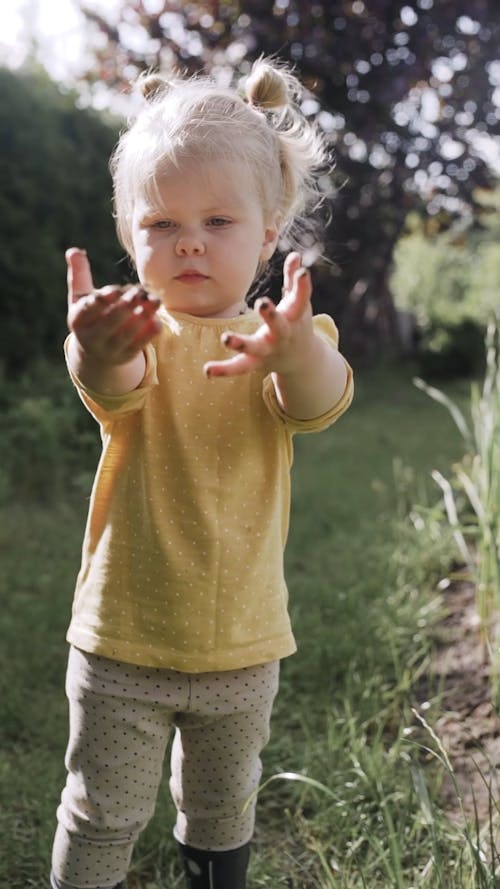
215	870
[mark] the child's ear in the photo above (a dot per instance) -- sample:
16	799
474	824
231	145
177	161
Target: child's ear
271	235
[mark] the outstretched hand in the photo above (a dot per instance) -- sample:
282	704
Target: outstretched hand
281	343
112	324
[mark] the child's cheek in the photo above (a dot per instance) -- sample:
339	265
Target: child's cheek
144	257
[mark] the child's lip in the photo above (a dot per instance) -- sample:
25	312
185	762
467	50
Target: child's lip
190	273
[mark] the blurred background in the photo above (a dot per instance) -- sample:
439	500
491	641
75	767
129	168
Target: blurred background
407	93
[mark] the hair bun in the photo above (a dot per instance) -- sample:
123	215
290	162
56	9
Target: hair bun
267	87
153	85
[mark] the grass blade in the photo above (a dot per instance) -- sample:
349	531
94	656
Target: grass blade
443	399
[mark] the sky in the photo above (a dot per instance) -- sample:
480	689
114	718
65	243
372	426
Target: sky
59	29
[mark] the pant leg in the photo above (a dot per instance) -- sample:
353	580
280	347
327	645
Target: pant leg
216	764
118	734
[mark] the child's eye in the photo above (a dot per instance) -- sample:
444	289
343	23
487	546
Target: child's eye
218	221
162	224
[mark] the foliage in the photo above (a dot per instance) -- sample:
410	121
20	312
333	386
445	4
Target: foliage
48	443
448	349
55	191
404	91
450	282
472	499
452	275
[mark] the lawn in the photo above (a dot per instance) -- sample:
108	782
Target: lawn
363	601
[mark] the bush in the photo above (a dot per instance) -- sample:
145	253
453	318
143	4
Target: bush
55	192
48	443
450	282
451	350
446	279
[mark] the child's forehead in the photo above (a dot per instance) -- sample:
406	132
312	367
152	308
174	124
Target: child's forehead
210	184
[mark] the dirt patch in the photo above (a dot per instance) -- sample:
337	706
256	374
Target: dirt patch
468	725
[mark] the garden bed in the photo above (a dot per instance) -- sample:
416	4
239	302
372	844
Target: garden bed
468	725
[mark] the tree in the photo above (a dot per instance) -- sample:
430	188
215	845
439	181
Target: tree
55	191
407	93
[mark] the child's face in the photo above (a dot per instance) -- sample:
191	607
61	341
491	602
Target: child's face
199	246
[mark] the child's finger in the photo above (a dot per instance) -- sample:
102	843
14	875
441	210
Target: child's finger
138	296
275	319
291	264
240	364
114	304
79	275
250	345
112	315
235	342
113	299
136	331
299	299
92	309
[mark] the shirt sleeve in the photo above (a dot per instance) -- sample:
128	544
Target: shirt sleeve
106	408
326	329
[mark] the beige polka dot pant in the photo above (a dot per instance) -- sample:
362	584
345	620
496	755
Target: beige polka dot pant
121	716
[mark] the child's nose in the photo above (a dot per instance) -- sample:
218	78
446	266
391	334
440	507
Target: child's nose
189	244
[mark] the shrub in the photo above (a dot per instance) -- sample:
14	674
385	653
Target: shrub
55	192
48	443
449	350
450	282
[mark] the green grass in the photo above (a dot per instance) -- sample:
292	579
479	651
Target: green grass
472	497
363	598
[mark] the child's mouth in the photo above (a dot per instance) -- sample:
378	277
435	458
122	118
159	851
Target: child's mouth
191	277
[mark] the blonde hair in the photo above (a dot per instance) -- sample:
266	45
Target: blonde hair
194	119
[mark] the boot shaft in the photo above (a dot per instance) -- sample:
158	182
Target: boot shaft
215	870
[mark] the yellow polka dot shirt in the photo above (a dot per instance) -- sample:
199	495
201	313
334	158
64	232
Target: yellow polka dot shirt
182	563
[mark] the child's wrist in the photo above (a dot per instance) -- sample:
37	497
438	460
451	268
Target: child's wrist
303	357
88	357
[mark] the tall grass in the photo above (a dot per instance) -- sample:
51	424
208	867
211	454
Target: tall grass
481	854
364	807
472	497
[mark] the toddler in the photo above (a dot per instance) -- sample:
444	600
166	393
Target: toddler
180	613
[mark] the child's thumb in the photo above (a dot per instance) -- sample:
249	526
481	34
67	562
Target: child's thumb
79	275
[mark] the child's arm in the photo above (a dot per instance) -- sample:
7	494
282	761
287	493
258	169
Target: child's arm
109	330
309	376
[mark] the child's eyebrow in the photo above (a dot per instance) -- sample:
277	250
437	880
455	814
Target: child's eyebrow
223	208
